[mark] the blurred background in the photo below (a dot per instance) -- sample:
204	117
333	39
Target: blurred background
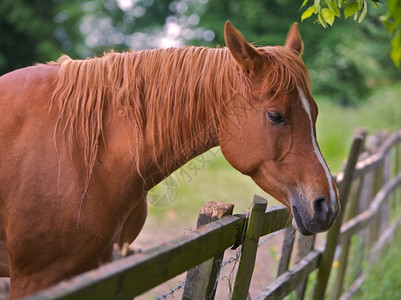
347	62
354	81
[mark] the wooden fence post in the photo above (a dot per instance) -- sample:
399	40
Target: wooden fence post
201	281
305	245
397	170
386	177
249	249
365	198
352	210
286	250
345	245
332	236
375	227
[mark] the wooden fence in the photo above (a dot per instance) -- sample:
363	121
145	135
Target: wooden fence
366	186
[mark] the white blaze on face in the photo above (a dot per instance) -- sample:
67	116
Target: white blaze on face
306	107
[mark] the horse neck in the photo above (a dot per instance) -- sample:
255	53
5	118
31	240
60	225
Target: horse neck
183	105
155	169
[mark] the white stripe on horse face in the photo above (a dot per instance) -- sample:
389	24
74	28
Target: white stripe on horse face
306	107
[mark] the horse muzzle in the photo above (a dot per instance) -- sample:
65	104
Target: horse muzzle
314	217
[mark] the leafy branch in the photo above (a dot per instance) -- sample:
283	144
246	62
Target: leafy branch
327	10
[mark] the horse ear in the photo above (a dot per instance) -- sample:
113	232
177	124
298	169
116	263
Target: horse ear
294	40
245	54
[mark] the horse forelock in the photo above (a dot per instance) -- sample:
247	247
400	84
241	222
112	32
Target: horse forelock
286	72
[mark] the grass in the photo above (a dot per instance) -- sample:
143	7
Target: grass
383	280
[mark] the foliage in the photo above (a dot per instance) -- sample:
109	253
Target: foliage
393	23
37	31
345	63
328	10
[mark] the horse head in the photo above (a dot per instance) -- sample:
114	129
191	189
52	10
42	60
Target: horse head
270	133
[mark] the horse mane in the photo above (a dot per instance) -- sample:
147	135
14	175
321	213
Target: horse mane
176	91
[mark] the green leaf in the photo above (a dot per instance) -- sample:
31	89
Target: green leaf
342	3
304	3
328	16
396	48
360	4
307	13
317	6
389	23
321	20
376	3
350	10
332	4
364	11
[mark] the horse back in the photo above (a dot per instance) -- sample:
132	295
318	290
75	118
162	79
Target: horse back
22	89
25	128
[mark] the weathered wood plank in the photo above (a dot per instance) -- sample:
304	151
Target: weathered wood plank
373	161
286	250
390	142
131	276
249	249
355	225
397	169
362	167
385	238
201	281
305	245
345	244
355	286
382	195
276	218
360	221
378	183
289	280
332	236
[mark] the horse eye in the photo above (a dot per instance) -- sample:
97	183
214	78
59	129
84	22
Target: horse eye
275	117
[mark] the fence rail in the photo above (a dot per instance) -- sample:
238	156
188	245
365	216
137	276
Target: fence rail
369	180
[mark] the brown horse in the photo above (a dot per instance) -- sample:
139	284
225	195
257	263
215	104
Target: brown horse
82	141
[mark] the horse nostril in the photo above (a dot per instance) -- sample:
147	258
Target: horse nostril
320	208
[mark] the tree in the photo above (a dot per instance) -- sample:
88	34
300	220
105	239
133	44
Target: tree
37	31
330	9
345	63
